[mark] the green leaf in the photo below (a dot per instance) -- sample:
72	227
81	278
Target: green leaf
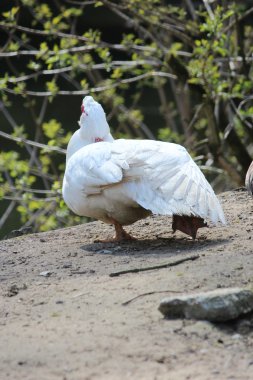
51	128
52	87
10	15
98	4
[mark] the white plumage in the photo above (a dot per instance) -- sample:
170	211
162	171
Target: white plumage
249	179
121	181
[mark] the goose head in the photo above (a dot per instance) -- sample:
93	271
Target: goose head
93	127
93	123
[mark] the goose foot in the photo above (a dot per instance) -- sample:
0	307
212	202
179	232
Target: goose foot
187	224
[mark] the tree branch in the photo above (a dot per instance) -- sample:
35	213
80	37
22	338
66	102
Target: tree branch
100	88
32	143
7	213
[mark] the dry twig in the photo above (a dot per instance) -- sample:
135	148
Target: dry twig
149	294
162	266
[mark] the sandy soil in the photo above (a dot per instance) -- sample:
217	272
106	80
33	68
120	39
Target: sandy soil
74	325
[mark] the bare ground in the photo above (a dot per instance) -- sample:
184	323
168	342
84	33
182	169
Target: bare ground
74	325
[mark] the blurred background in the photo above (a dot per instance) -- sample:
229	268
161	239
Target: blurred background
178	71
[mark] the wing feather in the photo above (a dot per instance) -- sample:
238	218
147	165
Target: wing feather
167	181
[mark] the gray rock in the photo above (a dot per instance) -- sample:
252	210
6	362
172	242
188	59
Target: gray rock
217	305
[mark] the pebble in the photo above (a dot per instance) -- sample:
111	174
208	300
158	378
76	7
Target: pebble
12	291
105	251
236	336
45	273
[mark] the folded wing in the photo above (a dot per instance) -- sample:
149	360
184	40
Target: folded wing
167	181
160	177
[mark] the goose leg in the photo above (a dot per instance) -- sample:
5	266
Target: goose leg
121	234
187	224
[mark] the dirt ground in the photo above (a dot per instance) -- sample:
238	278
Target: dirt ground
73	324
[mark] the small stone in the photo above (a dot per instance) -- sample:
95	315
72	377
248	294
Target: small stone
217	305
45	273
72	254
236	336
12	291
105	251
21	362
65	266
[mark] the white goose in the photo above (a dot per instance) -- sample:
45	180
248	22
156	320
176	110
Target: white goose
122	181
249	179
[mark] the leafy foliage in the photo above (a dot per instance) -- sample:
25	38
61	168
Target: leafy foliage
178	73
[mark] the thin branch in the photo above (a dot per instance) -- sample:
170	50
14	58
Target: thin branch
38	121
233	60
191	8
149	294
141	124
42	211
49	52
237	113
243	102
80	3
18	199
162	266
134	23
208	9
75	36
166	108
195	116
32	143
100	88
40	174
42	111
7	212
211	169
13	124
40	32
35	191
232	24
98	66
145	32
